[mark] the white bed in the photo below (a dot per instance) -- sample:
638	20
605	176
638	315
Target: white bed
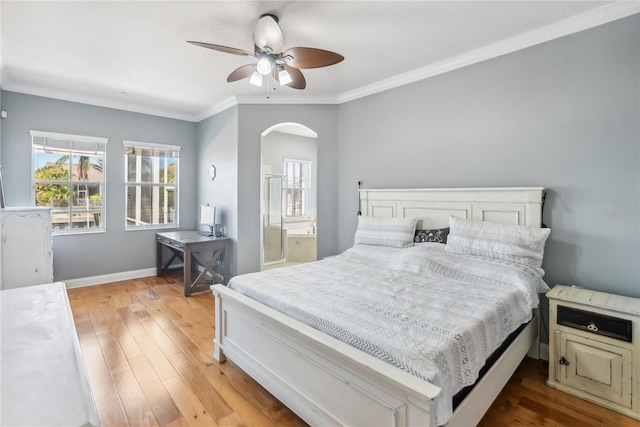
328	382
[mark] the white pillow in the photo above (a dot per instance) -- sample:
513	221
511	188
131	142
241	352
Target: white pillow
390	232
516	243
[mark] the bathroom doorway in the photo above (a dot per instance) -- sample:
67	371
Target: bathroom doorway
289	188
272	234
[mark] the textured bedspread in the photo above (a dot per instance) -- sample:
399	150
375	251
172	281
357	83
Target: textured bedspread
430	313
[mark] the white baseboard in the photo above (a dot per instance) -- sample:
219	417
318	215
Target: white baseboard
107	278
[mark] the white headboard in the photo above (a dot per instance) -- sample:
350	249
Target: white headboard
433	206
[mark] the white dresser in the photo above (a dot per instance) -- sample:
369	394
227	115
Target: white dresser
26	256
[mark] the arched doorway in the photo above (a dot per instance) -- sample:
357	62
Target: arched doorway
289	164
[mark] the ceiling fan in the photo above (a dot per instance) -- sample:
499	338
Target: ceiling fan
273	59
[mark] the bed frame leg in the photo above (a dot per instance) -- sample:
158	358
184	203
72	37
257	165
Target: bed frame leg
218	354
534	351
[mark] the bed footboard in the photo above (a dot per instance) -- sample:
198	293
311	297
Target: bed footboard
323	380
327	382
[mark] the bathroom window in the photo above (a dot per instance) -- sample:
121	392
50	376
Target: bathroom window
296	189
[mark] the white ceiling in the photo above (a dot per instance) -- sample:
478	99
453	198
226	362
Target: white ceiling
133	55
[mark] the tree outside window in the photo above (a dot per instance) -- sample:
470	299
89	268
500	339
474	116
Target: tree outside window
68	176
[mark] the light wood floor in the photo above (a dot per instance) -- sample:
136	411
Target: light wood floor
149	355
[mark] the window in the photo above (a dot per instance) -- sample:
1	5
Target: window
296	188
151	181
68	175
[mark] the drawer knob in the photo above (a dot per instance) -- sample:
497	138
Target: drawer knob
592	327
563	361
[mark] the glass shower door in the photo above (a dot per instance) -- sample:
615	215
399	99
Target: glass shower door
272	233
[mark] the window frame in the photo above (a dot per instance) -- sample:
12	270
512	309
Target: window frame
70	139
306	188
176	184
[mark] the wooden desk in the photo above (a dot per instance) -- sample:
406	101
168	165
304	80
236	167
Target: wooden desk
44	380
186	245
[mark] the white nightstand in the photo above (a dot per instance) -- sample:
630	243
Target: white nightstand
594	347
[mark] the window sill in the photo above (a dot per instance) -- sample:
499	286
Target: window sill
151	227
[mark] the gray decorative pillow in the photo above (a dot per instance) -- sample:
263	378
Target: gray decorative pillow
437	235
391	232
510	242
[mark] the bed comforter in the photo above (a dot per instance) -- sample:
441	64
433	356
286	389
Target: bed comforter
433	314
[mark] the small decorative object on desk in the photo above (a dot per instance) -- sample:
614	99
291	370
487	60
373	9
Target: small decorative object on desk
219	230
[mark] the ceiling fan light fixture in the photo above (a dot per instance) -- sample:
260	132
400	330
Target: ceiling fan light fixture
267	34
272	60
264	66
256	79
284	77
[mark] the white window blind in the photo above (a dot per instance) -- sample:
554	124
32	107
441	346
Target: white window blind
296	188
151	185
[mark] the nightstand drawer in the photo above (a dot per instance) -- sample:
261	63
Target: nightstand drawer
595	323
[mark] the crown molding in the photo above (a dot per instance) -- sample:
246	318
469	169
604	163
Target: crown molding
96	101
584	21
262	100
215	109
605	14
331	99
574	24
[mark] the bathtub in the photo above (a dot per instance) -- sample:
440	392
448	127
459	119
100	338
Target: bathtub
300	243
306	231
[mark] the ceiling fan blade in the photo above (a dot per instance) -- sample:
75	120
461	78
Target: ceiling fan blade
298	80
309	57
225	49
267	34
241	73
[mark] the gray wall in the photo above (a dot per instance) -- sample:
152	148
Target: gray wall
253	120
218	145
277	146
563	115
87	255
1	109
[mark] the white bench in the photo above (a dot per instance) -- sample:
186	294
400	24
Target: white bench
44	380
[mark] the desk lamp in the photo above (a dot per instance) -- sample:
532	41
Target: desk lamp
208	218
